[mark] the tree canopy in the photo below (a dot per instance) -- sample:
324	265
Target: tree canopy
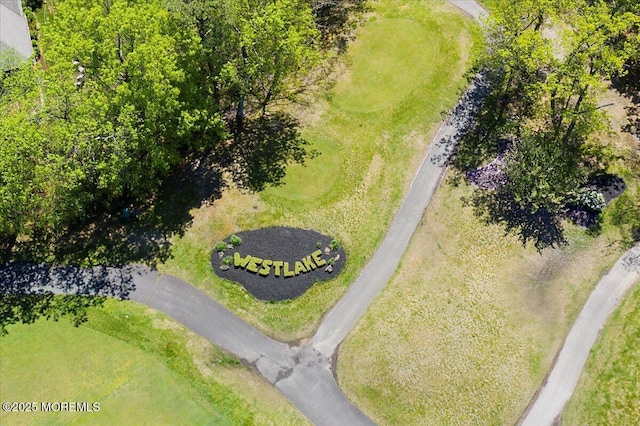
547	62
130	89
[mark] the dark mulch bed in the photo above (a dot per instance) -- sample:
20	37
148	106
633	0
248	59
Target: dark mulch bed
610	186
279	243
582	216
491	176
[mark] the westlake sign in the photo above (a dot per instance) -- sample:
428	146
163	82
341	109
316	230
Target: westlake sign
278	263
307	264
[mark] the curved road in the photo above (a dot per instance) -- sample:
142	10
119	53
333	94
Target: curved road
302	374
561	381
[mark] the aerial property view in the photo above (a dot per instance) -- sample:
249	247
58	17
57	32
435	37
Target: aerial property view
400	212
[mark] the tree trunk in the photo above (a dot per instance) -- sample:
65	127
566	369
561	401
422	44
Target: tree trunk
576	111
237	137
7	243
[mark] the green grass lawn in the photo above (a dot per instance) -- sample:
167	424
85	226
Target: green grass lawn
491	4
608	392
139	366
383	70
404	69
466	330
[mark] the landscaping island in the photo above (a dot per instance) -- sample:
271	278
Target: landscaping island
278	263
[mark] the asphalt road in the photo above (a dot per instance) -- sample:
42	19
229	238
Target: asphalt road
562	380
303	374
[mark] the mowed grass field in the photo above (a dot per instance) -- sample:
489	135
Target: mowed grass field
403	70
467	329
140	366
608	392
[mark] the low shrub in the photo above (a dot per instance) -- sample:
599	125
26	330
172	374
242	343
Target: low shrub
235	240
592	200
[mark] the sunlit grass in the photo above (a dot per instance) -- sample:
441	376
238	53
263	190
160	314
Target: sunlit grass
386	65
139	366
369	156
468	327
313	183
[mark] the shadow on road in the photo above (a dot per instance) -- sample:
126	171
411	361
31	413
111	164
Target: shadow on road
98	252
462	120
30	291
132	232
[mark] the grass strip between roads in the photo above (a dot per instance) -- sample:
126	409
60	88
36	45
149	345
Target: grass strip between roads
469	326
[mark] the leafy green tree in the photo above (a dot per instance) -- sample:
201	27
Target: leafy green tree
115	74
278	47
255	57
255	54
547	62
112	112
38	184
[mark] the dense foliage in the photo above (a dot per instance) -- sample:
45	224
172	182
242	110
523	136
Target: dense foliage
127	90
547	63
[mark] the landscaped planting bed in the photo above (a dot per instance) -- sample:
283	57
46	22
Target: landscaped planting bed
278	263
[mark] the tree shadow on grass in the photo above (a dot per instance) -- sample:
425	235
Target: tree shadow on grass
100	254
267	146
336	20
540	227
628	86
128	232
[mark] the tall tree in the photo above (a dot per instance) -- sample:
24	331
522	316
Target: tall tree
123	62
256	57
255	54
548	61
39	186
278	46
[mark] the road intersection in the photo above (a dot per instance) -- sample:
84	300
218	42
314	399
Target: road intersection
304	373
